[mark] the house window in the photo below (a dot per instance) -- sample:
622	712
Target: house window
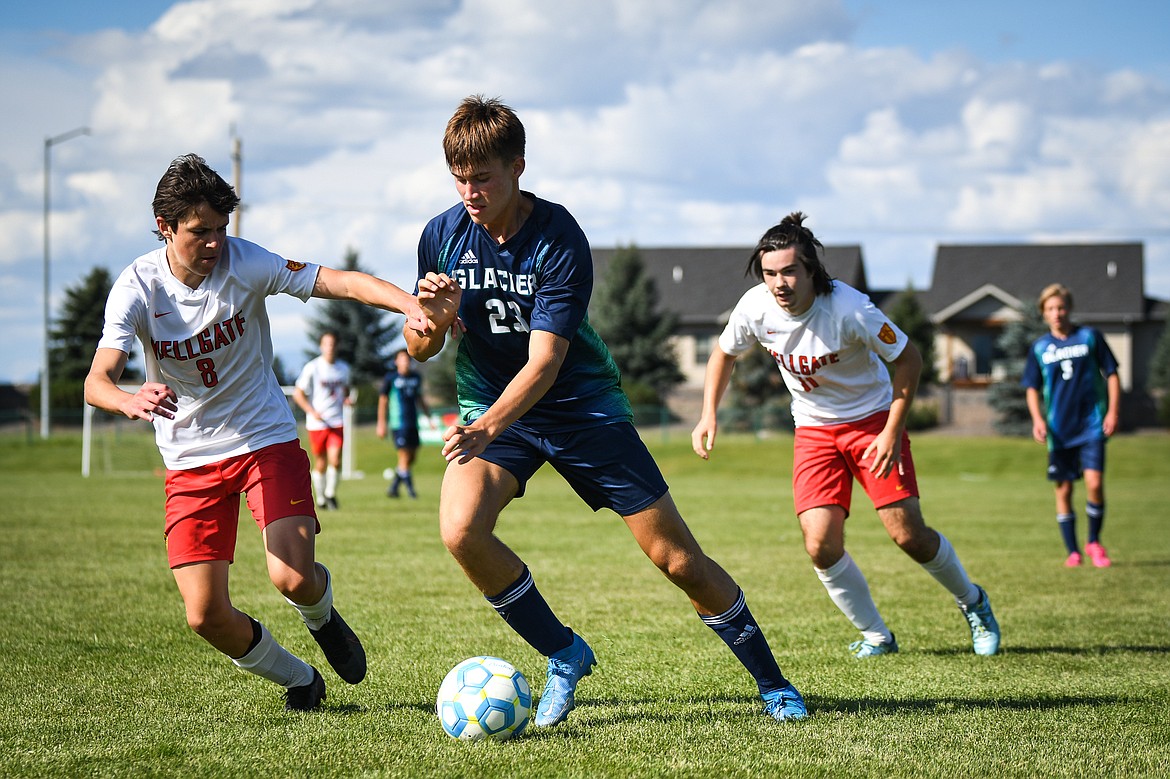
703	344
983	345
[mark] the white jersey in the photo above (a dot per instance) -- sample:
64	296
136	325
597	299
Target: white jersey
212	346
326	385
828	356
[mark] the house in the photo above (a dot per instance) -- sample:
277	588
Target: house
975	291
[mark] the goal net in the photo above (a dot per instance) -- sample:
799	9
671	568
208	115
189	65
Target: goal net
112	445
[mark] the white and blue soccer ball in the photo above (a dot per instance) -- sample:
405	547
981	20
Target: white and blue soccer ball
484	697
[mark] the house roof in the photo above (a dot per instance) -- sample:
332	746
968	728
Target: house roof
701	285
1106	279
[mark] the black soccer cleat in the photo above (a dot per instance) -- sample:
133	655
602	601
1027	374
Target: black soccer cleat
307	697
331	503
342	648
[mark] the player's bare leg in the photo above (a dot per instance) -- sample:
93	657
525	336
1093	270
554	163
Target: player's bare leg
474	493
204	589
290	545
823	528
667	540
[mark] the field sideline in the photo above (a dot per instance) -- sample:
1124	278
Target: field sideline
103	678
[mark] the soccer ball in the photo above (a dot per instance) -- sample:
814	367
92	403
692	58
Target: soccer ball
483	697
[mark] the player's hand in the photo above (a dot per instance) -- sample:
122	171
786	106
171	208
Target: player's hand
703	438
150	399
417	319
439	296
886	450
1040	432
464	442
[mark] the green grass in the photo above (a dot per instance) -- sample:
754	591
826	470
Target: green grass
101	677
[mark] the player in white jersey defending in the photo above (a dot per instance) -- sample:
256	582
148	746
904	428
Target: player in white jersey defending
829	342
221	421
322	392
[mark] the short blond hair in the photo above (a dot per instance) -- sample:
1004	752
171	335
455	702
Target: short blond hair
1053	291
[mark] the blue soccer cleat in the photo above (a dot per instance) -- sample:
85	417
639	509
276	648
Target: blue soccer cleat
784	704
565	669
865	648
984	627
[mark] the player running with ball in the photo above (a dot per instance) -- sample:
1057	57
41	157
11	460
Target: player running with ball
536	384
831	345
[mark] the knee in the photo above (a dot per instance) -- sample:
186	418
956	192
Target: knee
458	536
299	586
209	621
824	553
919	542
682	567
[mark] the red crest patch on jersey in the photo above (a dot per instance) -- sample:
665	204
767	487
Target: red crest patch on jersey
886	334
294	266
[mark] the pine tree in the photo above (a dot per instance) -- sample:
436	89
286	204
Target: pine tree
1159	381
365	337
626	315
912	319
1007	397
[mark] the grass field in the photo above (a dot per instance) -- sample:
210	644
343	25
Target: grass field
101	677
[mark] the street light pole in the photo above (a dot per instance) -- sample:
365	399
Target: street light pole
49	143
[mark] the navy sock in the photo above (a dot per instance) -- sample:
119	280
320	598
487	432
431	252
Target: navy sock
743	635
524	609
1096	514
1068	531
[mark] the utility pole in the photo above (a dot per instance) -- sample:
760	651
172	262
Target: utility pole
238	179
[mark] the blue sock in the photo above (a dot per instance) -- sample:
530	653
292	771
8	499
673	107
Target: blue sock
1096	514
743	635
1068	531
524	609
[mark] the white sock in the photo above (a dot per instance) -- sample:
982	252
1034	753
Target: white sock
318	480
271	661
330	482
847	588
317	614
949	572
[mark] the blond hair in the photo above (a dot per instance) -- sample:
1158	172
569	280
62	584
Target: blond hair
1053	291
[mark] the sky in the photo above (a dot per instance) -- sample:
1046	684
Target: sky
898	125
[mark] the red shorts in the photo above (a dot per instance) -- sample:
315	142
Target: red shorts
203	504
321	441
828	458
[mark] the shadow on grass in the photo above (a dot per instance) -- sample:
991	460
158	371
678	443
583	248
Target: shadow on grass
1088	651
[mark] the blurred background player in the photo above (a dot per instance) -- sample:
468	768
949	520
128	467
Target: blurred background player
1074	397
536	384
322	392
831	345
222	424
399	403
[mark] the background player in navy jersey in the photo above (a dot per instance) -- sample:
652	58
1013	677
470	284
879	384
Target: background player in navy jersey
399	401
536	384
1074	397
831	345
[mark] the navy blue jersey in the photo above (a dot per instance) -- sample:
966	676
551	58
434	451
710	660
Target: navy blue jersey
1070	374
402	392
539	279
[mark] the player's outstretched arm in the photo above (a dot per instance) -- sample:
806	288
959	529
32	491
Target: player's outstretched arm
715	383
336	284
101	390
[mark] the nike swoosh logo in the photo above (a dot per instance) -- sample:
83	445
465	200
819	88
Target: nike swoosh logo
295	502
157	314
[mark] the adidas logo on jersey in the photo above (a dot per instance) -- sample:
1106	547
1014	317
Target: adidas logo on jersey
469	258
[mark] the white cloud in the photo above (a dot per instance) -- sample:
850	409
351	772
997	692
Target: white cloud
655	122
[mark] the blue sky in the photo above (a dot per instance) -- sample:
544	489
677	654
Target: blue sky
896	124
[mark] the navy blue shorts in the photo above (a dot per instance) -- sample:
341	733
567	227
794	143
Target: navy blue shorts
1069	464
608	465
406	438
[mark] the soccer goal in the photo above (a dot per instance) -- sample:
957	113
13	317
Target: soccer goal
112	445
